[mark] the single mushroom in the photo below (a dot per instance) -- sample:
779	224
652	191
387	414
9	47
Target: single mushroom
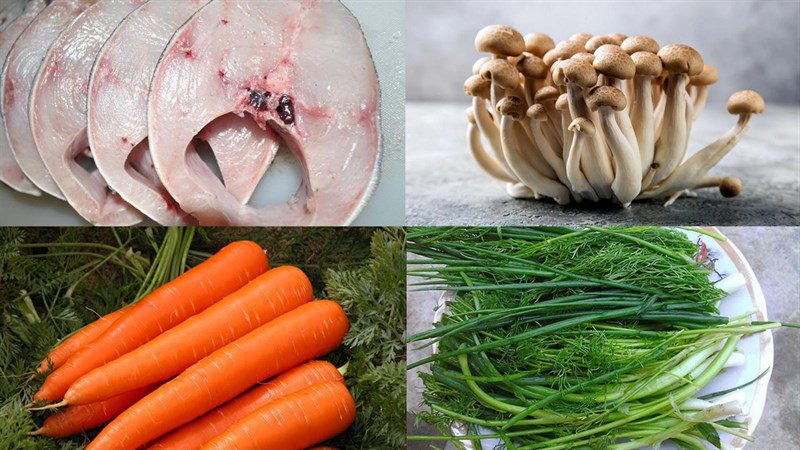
563	50
501	41
583	130
538	44
616	65
598	41
742	103
729	187
547	97
478	88
648	66
627	179
511	110
619	38
635	44
476	67
551	152
504	78
562	105
534	70
699	88
681	61
578	75
484	160
581	38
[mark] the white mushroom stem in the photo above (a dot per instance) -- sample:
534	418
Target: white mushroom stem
642	120
551	153
519	190
577	179
627	180
686	176
671	145
658	113
567	134
484	160
623	119
488	128
554	121
594	160
699	97
530	150
524	171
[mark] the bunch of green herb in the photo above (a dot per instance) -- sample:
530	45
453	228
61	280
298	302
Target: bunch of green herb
373	296
561	338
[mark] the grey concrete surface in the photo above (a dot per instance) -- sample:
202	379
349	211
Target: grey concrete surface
774	254
444	186
755	44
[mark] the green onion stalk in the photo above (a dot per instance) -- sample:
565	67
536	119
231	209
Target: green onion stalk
560	338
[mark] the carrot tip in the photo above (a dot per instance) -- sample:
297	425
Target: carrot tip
52	406
35	433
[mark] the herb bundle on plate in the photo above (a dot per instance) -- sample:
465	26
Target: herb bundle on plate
561	338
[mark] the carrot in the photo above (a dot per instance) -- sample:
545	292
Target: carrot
297	421
197	289
271	294
77	419
201	430
300	335
59	355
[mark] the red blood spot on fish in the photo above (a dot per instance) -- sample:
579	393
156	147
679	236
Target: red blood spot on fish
188	54
285	109
259	100
224	21
221	73
8	94
125	140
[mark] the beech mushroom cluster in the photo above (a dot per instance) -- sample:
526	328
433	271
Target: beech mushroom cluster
598	118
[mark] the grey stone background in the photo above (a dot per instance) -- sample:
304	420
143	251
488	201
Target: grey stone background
774	255
755	44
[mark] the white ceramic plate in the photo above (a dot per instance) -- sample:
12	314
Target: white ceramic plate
758	349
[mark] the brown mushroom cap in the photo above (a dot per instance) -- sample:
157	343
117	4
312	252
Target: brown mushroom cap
680	58
563	50
476	68
537	112
511	106
615	63
581	38
501	72
500	40
745	102
730	187
610	96
562	103
635	44
538	44
477	86
585	56
647	64
582	125
619	38
708	76
546	94
597	41
532	66
607	48
576	71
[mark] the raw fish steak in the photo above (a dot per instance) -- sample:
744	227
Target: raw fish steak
21	67
301	69
58	114
10	172
117	109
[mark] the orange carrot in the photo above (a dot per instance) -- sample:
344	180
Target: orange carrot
300	335
201	430
270	295
59	355
197	289
77	419
297	421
